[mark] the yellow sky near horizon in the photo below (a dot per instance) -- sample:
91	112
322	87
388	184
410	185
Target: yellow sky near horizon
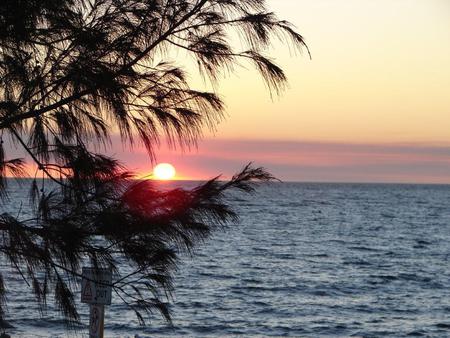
380	72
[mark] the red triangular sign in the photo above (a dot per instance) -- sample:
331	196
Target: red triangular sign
87	290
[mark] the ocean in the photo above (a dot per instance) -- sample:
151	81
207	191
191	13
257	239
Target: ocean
305	260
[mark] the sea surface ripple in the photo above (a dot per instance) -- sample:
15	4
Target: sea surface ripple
305	260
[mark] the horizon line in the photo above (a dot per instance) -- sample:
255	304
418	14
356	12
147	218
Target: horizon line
269	182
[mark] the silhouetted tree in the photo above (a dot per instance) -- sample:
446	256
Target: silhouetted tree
73	72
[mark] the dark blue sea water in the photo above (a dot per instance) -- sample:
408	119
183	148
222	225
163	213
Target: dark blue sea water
306	260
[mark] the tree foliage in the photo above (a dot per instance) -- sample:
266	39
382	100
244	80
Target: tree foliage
73	73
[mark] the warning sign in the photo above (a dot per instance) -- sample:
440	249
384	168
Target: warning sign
87	292
96	286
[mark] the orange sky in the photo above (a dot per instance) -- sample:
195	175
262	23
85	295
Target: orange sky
380	72
372	105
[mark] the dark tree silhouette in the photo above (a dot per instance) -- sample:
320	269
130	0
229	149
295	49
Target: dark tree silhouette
72	73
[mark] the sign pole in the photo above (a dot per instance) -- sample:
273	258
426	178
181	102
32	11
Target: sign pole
96	321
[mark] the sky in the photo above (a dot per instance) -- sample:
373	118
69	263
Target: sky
371	105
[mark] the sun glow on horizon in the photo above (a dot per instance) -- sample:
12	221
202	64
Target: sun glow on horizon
164	172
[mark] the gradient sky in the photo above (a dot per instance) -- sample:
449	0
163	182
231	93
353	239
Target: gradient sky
380	72
373	104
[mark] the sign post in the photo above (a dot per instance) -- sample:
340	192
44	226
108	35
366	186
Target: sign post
96	290
96	321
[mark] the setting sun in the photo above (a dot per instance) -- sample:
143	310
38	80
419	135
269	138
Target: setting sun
164	171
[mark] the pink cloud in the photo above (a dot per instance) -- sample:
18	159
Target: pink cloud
310	161
299	161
